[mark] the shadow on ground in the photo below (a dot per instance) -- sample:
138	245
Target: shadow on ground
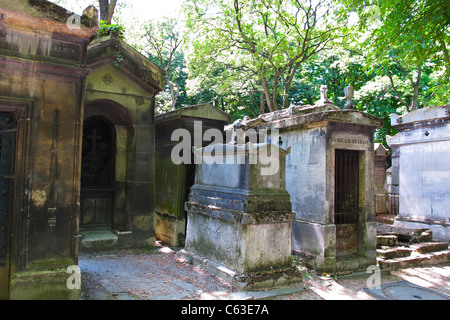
161	275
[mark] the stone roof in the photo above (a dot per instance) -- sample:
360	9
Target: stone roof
302	116
45	16
110	49
431	114
205	111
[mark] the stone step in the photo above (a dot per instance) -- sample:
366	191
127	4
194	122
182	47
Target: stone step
427	247
412	255
387	240
405	235
392	253
416	259
99	240
96	240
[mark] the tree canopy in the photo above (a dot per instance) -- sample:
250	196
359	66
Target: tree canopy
259	43
249	57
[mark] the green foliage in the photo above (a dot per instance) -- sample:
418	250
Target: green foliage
249	57
259	44
107	29
407	40
164	40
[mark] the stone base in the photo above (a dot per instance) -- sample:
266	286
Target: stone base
248	256
316	243
99	240
244	282
440	232
170	230
43	285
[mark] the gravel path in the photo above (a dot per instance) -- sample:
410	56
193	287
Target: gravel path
160	275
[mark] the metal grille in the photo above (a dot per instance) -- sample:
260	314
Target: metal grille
386	208
346	186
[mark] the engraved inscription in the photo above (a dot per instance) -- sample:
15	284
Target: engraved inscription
351	141
64	50
36	46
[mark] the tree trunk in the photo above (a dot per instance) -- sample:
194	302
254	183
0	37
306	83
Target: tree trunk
173	93
288	83
274	93
266	92
262	105
415	97
416	86
107	10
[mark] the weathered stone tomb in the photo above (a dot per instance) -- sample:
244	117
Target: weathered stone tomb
380	165
421	169
117	200
329	176
174	180
42	77
239	219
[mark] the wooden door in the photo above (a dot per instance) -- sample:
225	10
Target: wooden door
97	173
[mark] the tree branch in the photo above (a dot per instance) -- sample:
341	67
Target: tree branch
399	97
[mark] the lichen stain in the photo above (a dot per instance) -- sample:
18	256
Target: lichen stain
39	197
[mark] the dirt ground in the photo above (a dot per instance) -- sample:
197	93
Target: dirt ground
161	275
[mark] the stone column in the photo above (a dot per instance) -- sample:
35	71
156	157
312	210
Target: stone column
142	186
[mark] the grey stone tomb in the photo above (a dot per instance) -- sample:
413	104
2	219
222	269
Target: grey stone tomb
421	169
329	176
239	215
173	181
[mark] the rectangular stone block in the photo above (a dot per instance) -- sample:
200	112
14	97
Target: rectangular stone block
384	240
316	239
436	183
411	184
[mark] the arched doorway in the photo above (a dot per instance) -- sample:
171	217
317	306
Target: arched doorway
97	173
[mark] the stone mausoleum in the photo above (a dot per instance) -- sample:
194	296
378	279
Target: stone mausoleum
43	67
329	176
118	155
77	146
421	169
173	181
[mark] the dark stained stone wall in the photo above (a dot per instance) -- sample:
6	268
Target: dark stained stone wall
42	76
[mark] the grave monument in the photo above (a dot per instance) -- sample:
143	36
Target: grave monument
329	176
421	169
117	201
43	71
239	219
173	181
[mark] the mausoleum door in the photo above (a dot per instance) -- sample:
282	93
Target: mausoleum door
7	155
346	201
97	173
